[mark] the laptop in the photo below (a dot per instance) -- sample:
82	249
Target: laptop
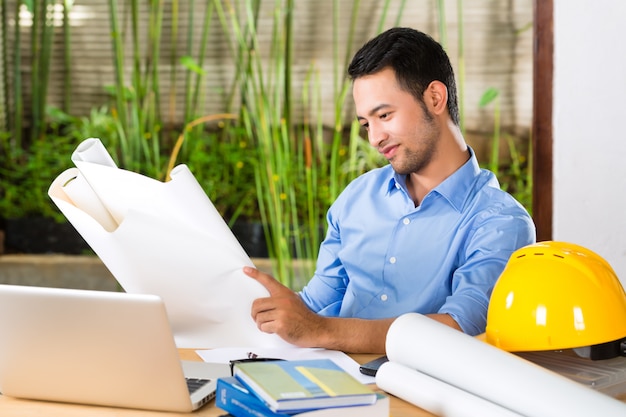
97	347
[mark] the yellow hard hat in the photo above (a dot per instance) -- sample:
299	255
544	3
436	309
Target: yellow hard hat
557	295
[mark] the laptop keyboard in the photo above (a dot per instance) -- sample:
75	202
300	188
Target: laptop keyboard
194	383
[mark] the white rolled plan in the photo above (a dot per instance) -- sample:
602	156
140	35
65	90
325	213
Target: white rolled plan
428	347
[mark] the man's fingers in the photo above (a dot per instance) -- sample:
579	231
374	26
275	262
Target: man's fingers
269	282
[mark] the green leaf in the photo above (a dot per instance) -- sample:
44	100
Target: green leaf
112	91
191	64
28	4
488	96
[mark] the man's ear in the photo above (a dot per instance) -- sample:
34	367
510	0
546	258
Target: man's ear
436	97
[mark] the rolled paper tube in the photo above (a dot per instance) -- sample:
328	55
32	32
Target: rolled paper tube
92	150
433	395
75	187
432	348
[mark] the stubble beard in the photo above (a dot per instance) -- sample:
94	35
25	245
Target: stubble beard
416	159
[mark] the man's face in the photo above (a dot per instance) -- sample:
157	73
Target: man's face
397	124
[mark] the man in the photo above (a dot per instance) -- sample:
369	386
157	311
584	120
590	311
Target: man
428	233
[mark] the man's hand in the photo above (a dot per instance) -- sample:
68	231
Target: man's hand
284	313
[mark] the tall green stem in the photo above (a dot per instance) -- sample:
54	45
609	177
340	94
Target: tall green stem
155	40
443	37
35	80
461	72
17	81
47	32
118	56
173	62
288	61
137	77
208	17
5	66
67	57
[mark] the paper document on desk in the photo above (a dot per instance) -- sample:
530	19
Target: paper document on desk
164	238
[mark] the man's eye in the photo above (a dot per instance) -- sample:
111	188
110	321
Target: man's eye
365	126
384	115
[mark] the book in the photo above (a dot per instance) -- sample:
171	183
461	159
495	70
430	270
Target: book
299	385
234	398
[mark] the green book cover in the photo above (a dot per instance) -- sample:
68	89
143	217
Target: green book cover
303	384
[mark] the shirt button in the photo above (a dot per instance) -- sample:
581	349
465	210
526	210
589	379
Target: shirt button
383	297
406	220
392	260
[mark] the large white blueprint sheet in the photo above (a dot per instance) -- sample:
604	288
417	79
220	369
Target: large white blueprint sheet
164	238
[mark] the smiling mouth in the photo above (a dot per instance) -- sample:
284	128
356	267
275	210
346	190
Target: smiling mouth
388	151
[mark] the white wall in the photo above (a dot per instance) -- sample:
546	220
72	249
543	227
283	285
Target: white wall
589	123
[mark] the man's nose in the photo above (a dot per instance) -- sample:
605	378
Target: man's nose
376	135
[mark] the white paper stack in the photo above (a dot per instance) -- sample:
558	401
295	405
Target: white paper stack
451	374
167	239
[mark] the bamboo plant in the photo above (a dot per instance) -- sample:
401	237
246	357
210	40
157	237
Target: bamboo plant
270	133
298	171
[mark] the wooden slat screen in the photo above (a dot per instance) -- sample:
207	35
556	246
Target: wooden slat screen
496	55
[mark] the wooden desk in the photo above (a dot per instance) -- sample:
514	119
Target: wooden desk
15	407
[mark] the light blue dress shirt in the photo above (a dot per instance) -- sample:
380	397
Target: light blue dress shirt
383	257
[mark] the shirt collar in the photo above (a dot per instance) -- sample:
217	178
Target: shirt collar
455	188
458	186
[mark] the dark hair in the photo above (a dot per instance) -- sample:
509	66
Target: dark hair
416	58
